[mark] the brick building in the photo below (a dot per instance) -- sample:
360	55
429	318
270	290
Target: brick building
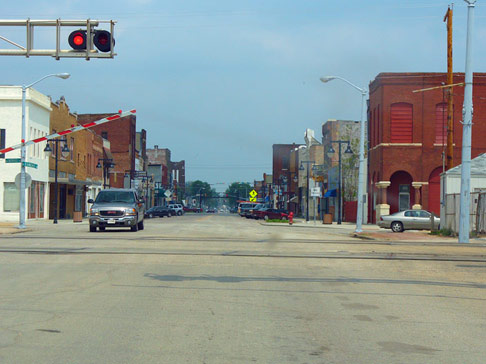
407	134
77	172
283	186
122	136
160	157
178	171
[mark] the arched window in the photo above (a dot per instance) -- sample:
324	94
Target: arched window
401	122
441	123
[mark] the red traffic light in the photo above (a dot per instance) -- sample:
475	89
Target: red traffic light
101	40
77	39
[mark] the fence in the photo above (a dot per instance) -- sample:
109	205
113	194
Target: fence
477	212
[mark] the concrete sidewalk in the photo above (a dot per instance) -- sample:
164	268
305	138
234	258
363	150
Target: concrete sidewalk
8	227
372	232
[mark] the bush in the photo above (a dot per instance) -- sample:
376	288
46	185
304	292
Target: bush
443	232
277	220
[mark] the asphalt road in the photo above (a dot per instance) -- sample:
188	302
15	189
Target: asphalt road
222	289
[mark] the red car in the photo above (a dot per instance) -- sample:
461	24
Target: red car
270	214
192	209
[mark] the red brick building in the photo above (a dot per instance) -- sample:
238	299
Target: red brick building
407	133
122	136
283	185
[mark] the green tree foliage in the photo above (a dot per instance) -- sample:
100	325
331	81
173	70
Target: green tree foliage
202	193
238	191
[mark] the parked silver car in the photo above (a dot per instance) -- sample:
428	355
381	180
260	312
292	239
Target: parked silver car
409	220
116	207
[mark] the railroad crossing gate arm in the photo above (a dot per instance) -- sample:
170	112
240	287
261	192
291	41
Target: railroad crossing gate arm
70	130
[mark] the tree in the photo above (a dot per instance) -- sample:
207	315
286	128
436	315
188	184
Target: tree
350	164
202	193
238	191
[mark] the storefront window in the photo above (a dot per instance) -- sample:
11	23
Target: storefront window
11	197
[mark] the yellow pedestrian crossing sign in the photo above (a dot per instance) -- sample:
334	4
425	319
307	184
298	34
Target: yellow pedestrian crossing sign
253	195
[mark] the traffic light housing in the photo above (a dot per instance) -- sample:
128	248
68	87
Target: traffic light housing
101	40
77	40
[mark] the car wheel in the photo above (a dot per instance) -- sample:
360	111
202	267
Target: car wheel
396	226
265	217
140	225
151	215
92	229
179	213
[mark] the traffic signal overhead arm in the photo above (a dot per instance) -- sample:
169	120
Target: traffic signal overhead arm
81	40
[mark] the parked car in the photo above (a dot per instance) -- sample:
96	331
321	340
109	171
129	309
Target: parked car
211	211
192	209
158	211
116	207
270	214
177	208
409	220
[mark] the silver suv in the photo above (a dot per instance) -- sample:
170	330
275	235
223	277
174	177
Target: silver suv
177	208
116	207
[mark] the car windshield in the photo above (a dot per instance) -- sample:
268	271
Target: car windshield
115	196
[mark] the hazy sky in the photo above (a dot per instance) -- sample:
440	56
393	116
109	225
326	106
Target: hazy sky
219	82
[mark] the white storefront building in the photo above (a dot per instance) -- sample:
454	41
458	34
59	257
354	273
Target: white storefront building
37	113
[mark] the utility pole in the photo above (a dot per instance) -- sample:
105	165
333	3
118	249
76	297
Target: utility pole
465	197
450	81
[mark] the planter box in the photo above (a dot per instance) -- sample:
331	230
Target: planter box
77	216
327	219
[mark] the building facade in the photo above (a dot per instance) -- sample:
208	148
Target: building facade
38	107
407	133
122	136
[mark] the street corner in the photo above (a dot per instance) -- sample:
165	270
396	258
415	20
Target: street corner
9	228
387	235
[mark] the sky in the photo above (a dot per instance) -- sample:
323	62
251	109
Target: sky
218	82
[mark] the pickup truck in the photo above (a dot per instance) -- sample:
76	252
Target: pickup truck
116	207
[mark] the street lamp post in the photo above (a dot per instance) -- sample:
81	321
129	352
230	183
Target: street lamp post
301	168
359	213
107	164
22	148
64	152
330	153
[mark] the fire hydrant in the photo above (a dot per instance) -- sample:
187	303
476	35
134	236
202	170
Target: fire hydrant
291	218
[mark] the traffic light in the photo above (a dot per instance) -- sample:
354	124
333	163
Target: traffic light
101	40
77	40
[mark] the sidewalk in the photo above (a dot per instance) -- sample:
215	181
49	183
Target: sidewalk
373	232
10	227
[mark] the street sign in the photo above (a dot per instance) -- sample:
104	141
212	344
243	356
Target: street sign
29	164
316	192
12	160
167	193
253	199
28	180
253	194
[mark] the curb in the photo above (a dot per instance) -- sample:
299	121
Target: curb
362	237
15	231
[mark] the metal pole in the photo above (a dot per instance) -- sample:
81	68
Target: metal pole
340	184
22	165
307	198
56	197
465	199
315	210
361	176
